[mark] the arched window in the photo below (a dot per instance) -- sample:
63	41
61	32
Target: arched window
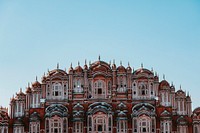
165	126
78	87
78	127
100	122
142	124
56	125
18	129
57	91
34	127
122	126
19	108
99	89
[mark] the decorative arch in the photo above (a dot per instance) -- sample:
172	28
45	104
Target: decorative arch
56	120
100	117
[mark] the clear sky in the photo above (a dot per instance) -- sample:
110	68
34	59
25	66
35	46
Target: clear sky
35	35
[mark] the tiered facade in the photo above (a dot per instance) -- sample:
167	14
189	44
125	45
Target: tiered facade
100	98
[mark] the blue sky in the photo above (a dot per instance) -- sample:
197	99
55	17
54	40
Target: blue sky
35	35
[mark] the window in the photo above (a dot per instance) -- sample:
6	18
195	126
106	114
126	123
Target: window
165	126
122	85
121	126
19	108
78	87
78	127
35	102
3	129
99	89
56	125
34	127
100	122
18	129
57	91
144	123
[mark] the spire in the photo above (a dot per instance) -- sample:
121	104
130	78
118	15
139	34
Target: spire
36	78
141	65
163	76
113	61
28	84
78	63
156	73
71	65
85	62
57	65
20	90
120	63
152	69
128	64
90	63
99	57
172	84
180	87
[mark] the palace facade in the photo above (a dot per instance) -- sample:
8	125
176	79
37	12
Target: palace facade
100	98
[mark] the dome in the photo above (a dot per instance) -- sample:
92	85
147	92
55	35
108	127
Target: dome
143	71
85	67
78	69
164	85
113	66
28	90
36	84
197	111
121	69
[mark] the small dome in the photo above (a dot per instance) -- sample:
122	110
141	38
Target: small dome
78	69
163	84
28	90
36	84
85	67
121	69
113	66
129	69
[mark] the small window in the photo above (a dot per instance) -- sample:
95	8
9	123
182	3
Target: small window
144	130
99	128
99	91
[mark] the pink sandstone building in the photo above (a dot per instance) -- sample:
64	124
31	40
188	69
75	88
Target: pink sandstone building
100	98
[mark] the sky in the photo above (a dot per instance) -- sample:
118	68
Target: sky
36	35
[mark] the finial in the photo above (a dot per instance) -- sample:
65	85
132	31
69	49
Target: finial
20	90
156	73
85	62
152	69
128	64
28	84
172	83
121	63
90	63
180	87
71	65
110	62
65	69
99	58
141	65
164	76
48	70
78	63
44	73
57	65
113	61
36	78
